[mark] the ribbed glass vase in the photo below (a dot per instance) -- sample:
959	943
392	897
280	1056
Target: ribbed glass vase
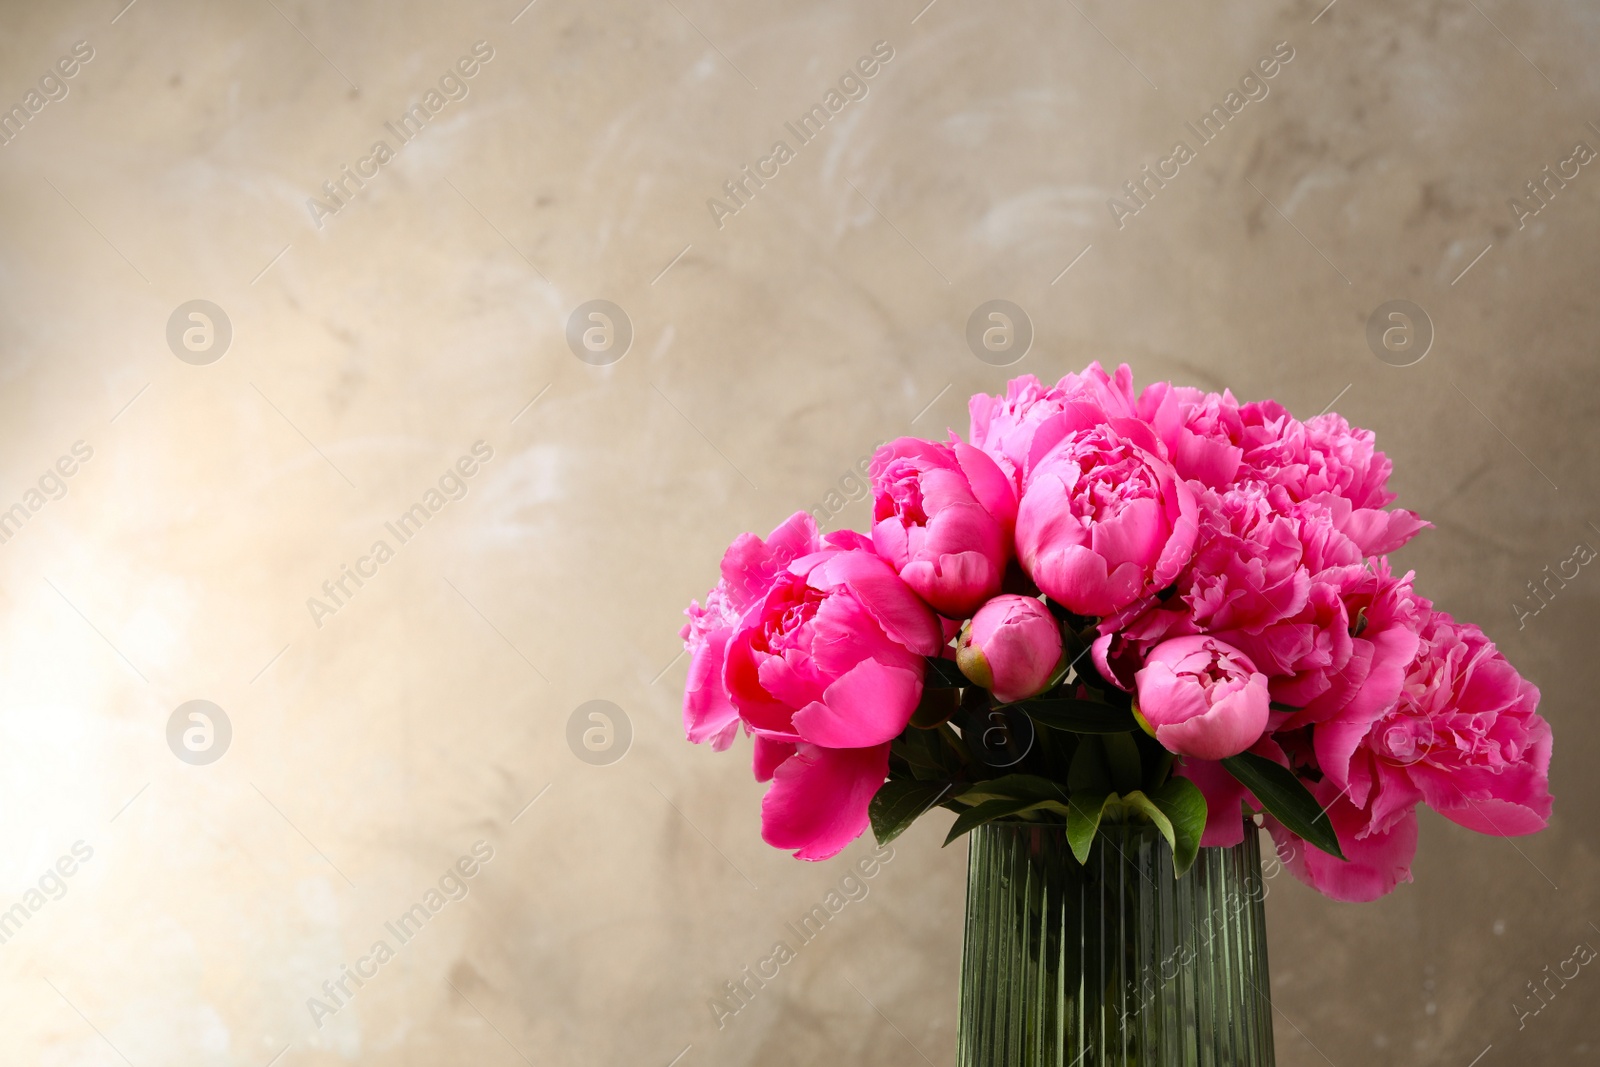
1116	962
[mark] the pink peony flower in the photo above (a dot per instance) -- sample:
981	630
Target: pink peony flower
825	669
1465	737
1343	460
1202	431
1324	525
1374	862
1004	426
1327	457
1202	698
749	569
1104	520
1344	656
832	655
943	516
1248	569
1012	646
1256	553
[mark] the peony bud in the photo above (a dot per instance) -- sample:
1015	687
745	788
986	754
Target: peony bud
1012	646
1202	698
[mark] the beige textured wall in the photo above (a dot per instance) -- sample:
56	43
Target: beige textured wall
370	752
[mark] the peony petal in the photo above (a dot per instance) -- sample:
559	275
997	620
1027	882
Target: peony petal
1335	743
1514	802
790	678
1165	699
1074	416
768	754
868	706
1207	460
954	585
1179	548
1373	865
1224	801
1378	532
990	486
890	540
750	564
818	800
708	711
1136	535
1390	795
1228	728
848	539
755	704
891	602
843	634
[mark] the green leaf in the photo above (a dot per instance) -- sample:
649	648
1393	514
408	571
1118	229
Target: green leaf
1076	643
988	811
1122	756
944	674
935	707
1183	803
1088	771
1054	807
896	805
1137	803
1015	787
1083	820
1286	798
919	749
1077	716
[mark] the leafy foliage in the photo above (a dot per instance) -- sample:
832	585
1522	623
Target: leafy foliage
1285	798
898	804
1089	766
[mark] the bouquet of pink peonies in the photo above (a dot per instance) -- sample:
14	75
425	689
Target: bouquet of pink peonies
1111	606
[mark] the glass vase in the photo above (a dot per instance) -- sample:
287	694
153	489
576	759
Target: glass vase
1113	962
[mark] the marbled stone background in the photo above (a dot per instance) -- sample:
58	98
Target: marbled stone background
768	355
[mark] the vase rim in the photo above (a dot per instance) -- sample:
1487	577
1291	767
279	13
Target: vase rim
1249	824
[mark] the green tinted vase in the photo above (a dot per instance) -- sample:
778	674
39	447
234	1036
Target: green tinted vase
1116	962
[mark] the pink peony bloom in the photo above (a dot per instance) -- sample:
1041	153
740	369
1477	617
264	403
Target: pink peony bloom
1255	556
1344	460
1012	646
943	516
1465	737
1202	431
832	655
1248	569
1343	657
1324	527
1004	426
1325	455
1202	698
1325	459
825	669
1104	520
749	569
1374	863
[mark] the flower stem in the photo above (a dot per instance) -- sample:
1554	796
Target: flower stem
955	742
